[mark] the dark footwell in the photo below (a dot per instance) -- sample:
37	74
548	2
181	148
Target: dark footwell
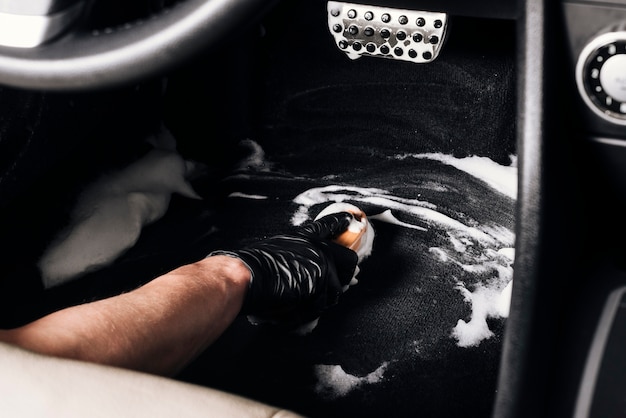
421	333
393	346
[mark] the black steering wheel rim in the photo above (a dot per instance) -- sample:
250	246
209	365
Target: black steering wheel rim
94	60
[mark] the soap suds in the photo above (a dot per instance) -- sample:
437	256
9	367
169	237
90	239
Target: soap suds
500	177
247	196
334	382
480	249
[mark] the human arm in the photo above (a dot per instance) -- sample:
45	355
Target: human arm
163	325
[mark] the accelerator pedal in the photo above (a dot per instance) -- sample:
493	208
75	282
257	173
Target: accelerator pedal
407	35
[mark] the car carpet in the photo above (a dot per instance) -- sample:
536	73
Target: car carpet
431	144
398	322
388	348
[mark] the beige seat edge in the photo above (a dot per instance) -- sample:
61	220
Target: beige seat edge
33	385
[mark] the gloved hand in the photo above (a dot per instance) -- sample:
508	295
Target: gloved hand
295	277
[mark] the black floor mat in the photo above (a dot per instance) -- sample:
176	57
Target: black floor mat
381	135
388	348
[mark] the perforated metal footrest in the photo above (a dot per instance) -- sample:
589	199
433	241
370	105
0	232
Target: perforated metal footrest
407	35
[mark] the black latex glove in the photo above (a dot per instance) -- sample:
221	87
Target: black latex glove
295	277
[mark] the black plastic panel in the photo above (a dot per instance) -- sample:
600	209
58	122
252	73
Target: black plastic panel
608	397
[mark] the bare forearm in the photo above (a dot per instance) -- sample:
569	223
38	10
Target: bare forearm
157	328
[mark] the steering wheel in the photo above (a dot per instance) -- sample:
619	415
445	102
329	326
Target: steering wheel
83	60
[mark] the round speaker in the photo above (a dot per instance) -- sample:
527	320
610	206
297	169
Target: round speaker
601	76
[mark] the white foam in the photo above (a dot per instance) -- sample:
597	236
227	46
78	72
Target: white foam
423	210
501	234
490	297
439	253
479	249
334	382
487	302
501	178
300	216
389	218
508	253
247	196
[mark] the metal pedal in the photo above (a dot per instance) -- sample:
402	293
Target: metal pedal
407	35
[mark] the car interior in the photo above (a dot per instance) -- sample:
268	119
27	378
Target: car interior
484	140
